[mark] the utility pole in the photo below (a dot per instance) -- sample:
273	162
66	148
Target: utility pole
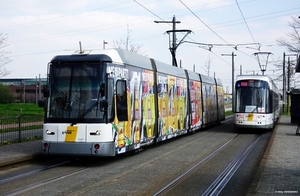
283	81
173	48
232	76
241	70
40	87
288	85
36	90
284	95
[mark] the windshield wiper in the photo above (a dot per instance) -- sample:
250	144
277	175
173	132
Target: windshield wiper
255	109
90	108
85	112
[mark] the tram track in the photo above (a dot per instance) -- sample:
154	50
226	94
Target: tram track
33	172
45	182
203	154
19	189
221	180
191	170
217	186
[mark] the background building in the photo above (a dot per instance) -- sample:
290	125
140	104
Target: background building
25	90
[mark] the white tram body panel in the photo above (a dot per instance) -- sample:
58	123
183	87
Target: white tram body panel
108	102
256	102
250	120
82	139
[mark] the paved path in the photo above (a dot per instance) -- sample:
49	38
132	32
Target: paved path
279	171
18	152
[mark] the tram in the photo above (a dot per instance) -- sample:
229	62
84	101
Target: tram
108	102
257	102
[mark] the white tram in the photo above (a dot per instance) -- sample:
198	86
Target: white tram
108	102
256	102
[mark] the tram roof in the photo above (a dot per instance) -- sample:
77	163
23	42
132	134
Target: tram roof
259	77
255	77
122	57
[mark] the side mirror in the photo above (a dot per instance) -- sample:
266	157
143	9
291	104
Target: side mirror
104	104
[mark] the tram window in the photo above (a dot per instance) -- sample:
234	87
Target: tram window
121	100
270	106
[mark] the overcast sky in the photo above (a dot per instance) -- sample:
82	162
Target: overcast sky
38	30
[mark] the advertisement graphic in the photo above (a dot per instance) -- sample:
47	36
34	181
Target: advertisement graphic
196	105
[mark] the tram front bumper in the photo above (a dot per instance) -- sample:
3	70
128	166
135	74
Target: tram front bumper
78	148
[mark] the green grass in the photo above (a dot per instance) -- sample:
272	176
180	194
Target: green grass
228	113
23	128
14	109
7	142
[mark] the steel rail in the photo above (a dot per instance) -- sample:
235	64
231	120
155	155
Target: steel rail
32	172
217	186
36	185
191	170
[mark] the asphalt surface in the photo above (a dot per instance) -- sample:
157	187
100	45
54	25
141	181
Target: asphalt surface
278	172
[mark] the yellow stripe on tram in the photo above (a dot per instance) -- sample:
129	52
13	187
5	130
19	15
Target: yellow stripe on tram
250	117
71	134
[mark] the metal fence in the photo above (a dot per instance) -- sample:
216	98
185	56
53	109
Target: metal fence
20	129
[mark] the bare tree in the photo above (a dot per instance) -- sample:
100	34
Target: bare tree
207	66
3	59
128	44
292	42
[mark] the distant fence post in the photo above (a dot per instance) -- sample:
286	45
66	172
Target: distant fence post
19	119
1	132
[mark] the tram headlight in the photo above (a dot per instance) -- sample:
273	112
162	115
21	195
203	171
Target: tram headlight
49	132
98	132
239	115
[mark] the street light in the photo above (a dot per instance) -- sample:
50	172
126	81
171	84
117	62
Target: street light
104	42
261	57
232	76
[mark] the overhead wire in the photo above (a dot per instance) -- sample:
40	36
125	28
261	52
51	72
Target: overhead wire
235	48
148	10
170	25
83	30
245	21
60	18
262	56
203	22
80	31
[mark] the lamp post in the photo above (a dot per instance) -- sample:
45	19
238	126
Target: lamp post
232	76
36	90
104	42
262	56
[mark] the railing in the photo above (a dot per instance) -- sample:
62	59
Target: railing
20	129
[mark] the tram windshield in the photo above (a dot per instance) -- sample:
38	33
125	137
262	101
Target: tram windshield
77	93
251	96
